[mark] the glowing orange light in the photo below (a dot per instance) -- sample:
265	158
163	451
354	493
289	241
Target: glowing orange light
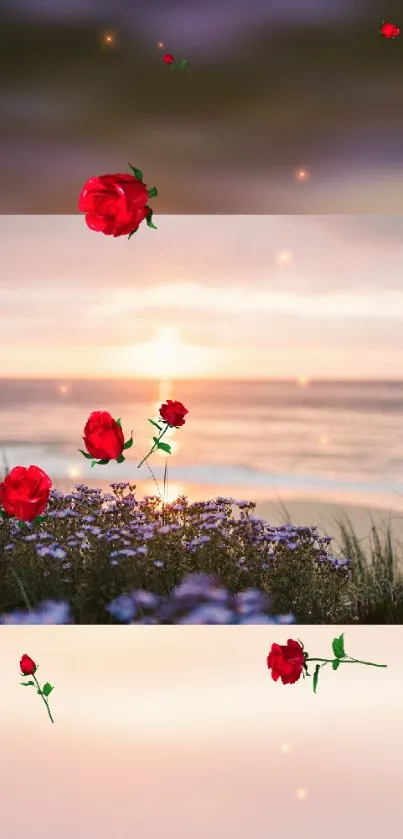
302	175
73	472
303	381
108	39
160	45
284	258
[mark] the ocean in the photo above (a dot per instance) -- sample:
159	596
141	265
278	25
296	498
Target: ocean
296	439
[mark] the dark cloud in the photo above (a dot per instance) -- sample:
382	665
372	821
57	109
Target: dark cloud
274	86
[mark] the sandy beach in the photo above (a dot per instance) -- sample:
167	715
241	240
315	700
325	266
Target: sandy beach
324	516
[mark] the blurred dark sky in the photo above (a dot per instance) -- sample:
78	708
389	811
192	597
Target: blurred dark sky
276	86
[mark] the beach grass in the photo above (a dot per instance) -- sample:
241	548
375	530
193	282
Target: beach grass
99	558
376	586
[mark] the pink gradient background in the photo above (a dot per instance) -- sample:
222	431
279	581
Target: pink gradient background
180	733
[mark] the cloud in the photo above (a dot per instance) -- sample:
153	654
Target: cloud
61	259
371	230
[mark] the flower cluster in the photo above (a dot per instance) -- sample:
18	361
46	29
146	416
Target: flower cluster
198	599
93	548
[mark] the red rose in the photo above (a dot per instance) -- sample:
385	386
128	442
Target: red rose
24	493
168	58
114	204
389	30
28	667
103	436
173	413
286	662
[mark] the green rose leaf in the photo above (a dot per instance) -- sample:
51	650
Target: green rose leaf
102	462
137	173
336	663
119	422
315	678
3	514
128	444
156	425
120	459
153	192
94	463
165	447
26	684
47	689
132	233
149	218
21	524
88	456
338	646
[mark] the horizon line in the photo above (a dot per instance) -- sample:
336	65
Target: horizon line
291	379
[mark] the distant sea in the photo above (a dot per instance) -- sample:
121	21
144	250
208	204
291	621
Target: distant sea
317	439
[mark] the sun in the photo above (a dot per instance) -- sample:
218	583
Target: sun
167	355
167	347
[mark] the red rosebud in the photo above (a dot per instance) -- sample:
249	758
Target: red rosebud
286	662
173	413
168	58
28	667
24	493
103	436
114	204
389	30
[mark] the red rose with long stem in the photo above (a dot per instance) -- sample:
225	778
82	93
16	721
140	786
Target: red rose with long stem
172	414
29	668
288	662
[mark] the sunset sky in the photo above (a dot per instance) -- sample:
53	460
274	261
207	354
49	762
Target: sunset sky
203	297
180	732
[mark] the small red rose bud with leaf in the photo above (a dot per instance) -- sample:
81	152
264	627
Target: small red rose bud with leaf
29	668
170	60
